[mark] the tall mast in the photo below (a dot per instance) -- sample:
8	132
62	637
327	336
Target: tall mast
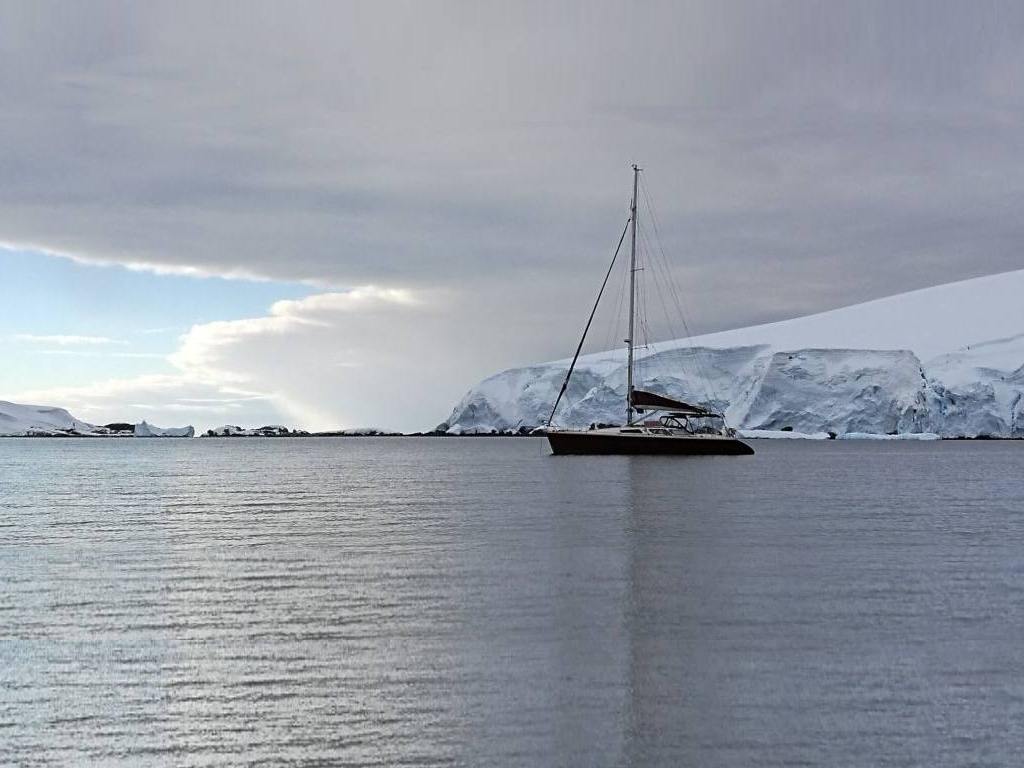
632	296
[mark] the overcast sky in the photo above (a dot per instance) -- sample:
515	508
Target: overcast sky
343	214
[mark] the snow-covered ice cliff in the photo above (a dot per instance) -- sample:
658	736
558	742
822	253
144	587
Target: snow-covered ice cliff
947	360
18	419
44	421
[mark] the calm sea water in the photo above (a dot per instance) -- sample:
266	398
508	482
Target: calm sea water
443	601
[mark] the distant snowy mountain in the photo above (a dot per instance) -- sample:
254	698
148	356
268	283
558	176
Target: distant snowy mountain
947	360
18	419
43	421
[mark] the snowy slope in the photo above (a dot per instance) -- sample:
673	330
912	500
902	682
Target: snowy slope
947	359
37	420
18	419
929	322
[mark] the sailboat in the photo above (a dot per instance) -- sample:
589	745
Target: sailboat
654	424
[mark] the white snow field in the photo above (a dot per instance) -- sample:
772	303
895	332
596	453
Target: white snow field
945	361
44	421
38	419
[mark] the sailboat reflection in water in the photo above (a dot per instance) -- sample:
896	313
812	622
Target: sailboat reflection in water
680	428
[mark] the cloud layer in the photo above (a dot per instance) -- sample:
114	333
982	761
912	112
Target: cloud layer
366	357
65	340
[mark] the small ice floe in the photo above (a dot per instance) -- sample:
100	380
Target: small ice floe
901	436
781	434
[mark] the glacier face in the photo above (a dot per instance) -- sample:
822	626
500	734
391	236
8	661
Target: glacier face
840	390
947	360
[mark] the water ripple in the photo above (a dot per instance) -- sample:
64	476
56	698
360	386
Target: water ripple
473	602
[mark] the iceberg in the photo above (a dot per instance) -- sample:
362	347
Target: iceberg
143	429
778	434
946	361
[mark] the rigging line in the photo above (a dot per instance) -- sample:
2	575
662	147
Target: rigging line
669	279
700	386
654	267
658	276
661	297
589	321
661	275
673	331
645	325
612	329
696	353
644	329
668	271
638	312
674	290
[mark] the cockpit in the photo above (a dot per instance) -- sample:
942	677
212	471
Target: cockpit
691	424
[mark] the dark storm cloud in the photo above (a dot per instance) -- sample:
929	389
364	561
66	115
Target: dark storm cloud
801	155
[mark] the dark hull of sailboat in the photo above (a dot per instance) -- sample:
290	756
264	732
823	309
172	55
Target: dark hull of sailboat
596	444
